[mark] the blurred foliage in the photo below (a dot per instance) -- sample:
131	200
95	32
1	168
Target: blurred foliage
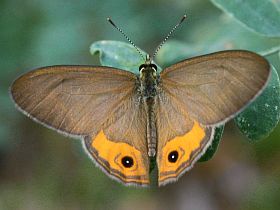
40	169
252	13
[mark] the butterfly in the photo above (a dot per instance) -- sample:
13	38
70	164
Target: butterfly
125	119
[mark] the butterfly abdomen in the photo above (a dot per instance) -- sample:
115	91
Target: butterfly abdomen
151	127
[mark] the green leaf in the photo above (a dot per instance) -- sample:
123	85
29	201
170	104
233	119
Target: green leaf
174	51
214	146
118	54
261	16
228	34
259	119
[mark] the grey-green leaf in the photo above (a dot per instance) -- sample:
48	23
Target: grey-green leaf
259	119
118	54
174	51
214	146
262	16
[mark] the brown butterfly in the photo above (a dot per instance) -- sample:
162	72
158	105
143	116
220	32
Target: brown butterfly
125	119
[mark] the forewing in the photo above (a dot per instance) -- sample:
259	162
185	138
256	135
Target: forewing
213	88
72	99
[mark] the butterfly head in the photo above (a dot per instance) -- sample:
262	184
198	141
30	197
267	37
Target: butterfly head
148	69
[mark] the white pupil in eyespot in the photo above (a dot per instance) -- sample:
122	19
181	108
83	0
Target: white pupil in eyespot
173	156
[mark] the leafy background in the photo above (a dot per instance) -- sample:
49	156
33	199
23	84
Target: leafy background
40	169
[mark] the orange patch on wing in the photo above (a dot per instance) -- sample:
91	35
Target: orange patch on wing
110	156
185	146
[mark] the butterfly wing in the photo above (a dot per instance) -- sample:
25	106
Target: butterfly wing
181	139
196	95
214	88
127	161
90	102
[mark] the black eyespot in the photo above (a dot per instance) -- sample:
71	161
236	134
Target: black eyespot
173	156
154	66
127	161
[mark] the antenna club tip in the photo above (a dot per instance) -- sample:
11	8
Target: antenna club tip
110	21
183	18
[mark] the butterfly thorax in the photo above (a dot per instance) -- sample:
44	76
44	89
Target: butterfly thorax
148	91
148	81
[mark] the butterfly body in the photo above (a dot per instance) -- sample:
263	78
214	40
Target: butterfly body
149	80
124	119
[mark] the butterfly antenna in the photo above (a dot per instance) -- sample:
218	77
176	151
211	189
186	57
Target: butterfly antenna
121	31
168	35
